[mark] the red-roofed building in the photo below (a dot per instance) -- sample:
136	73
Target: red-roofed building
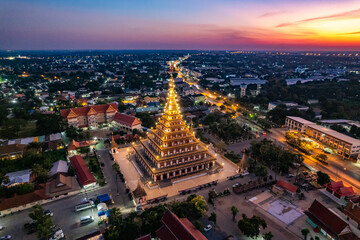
85	177
126	122
284	185
146	237
352	210
339	190
89	115
175	228
328	223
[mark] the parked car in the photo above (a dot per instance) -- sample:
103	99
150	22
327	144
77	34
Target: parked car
1	228
30	227
86	219
7	237
59	234
49	213
207	228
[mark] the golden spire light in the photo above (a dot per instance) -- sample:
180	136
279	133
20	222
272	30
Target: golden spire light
172	106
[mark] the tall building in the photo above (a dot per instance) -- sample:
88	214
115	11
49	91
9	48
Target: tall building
171	150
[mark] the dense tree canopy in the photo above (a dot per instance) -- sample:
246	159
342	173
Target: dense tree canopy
271	155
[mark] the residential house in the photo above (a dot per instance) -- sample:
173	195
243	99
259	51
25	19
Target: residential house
60	166
18	177
61	185
12	151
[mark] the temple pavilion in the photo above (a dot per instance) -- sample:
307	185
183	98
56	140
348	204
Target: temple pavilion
171	149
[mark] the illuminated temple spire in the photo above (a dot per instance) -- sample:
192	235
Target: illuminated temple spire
172	106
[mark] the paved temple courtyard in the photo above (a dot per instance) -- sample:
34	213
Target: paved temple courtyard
132	175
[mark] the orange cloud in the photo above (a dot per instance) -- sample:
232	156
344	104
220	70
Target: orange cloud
271	14
354	14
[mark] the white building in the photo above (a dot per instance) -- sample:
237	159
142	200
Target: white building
297	123
346	146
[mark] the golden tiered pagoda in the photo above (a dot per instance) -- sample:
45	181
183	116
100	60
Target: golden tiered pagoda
171	150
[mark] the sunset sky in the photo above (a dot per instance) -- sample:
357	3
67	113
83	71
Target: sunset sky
185	24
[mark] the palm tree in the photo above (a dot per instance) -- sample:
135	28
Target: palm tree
234	211
305	232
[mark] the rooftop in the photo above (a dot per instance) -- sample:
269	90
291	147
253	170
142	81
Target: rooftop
176	228
286	185
59	167
336	134
19	177
126	119
326	219
83	173
300	120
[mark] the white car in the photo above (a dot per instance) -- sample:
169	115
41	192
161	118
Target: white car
49	213
207	228
7	237
1	228
59	234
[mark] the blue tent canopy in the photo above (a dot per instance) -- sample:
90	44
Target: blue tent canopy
104	198
101	213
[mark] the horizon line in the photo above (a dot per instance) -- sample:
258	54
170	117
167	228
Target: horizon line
149	49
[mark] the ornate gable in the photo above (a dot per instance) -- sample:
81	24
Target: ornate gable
110	109
72	114
92	112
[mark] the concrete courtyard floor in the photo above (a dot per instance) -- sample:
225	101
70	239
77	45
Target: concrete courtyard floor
264	201
132	175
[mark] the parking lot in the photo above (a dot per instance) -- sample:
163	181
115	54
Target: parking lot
64	215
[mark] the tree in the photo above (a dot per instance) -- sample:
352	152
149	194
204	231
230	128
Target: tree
198	225
40	172
323	178
260	171
73	133
115	217
250	227
234	211
268	236
200	204
115	167
212	195
212	217
48	123
43	223
305	232
4	179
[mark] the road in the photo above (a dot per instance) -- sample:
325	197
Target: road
64	215
337	168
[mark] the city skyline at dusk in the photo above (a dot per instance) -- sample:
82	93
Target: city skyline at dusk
202	25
